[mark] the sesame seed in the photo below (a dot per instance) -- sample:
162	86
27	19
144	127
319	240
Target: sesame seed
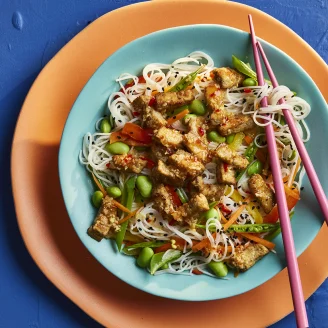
165	235
120	121
302	188
253	207
139	220
161	223
148	88
168	83
258	207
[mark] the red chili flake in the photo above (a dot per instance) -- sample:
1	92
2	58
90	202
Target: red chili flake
201	131
128	158
150	164
247	90
135	114
172	222
152	102
108	165
225	166
212	94
217	110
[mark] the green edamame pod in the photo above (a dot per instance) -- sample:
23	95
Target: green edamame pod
144	257
144	186
249	82
186	81
212	213
216	137
218	268
255	168
230	138
292	155
117	148
105	126
241	67
97	198
187	117
197	107
114	191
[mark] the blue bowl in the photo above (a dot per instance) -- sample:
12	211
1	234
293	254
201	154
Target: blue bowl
220	42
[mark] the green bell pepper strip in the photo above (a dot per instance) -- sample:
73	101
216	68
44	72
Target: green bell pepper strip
248	228
160	259
131	252
127	200
186	81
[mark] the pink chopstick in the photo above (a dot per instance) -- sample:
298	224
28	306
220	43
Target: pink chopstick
286	230
314	180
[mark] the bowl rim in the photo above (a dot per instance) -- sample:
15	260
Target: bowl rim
63	136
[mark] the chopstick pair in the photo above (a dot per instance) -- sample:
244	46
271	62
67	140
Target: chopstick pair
286	230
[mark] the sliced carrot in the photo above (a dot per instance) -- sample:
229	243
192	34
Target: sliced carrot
223	219
203	243
248	139
177	117
129	216
100	187
292	192
235	215
258	240
117	136
196	271
163	248
121	207
296	169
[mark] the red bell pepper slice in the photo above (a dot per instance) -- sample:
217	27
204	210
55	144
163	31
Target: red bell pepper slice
175	198
137	133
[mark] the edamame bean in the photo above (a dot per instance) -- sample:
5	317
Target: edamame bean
105	126
216	137
144	257
117	148
197	107
114	191
249	82
255	168
212	213
187	117
230	138
144	186
97	198
218	268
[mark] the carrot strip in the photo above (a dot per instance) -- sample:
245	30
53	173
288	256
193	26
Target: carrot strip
248	139
100	187
129	216
296	169
222	216
121	207
258	240
163	248
235	215
203	243
196	271
177	117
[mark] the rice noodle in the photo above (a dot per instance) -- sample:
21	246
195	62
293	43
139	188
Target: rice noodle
148	223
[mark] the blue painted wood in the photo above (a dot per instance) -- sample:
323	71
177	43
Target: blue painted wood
31	32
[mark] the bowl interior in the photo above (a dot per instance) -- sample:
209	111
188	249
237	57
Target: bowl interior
220	42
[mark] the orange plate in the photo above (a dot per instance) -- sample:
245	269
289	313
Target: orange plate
41	214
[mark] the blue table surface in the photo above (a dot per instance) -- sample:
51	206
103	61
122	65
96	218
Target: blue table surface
31	33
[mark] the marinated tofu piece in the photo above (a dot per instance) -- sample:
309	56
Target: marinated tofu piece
228	123
163	201
106	221
167	101
191	211
213	192
196	146
186	162
214	97
227	77
225	174
229	156
160	152
197	126
168	137
152	118
246	256
128	163
141	103
262	192
169	174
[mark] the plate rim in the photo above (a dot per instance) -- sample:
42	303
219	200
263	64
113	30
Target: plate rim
65	139
72	295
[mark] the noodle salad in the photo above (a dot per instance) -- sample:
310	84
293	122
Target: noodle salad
182	167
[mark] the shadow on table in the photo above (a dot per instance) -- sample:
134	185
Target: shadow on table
11	243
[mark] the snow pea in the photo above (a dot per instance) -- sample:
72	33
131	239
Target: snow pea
160	259
186	81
